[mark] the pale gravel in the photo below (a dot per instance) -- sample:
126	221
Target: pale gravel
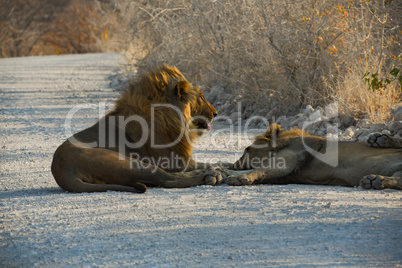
223	226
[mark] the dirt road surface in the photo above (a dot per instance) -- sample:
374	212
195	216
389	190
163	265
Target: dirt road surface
256	226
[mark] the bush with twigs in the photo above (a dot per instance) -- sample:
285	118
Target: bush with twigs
277	56
35	27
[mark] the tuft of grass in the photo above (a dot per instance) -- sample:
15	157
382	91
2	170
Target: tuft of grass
357	99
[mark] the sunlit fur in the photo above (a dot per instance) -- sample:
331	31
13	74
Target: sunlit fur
276	137
100	157
166	85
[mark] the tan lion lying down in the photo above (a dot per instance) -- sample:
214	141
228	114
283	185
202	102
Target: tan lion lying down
281	157
146	140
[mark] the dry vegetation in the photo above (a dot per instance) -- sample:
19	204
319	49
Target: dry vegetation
277	55
273	56
37	27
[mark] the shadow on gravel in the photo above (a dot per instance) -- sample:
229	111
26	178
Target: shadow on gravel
31	192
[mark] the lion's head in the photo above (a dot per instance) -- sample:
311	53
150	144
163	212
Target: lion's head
166	85
202	113
172	104
265	146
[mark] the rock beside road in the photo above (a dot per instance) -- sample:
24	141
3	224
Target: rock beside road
317	121
346	127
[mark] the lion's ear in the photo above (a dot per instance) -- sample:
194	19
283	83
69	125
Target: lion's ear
272	134
182	88
273	131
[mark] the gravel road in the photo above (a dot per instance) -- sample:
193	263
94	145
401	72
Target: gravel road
222	226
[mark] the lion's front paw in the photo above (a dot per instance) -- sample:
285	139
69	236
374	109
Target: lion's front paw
372	182
213	177
378	140
237	180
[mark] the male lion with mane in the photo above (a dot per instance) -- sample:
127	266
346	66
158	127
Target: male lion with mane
157	117
280	157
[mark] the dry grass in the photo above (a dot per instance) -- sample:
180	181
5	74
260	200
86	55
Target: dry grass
275	55
355	98
34	27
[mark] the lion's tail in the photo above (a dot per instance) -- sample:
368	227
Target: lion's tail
79	186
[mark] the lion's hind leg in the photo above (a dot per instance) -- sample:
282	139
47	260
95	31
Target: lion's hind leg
379	182
379	140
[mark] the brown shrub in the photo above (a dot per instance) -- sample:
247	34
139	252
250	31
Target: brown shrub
37	27
281	55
